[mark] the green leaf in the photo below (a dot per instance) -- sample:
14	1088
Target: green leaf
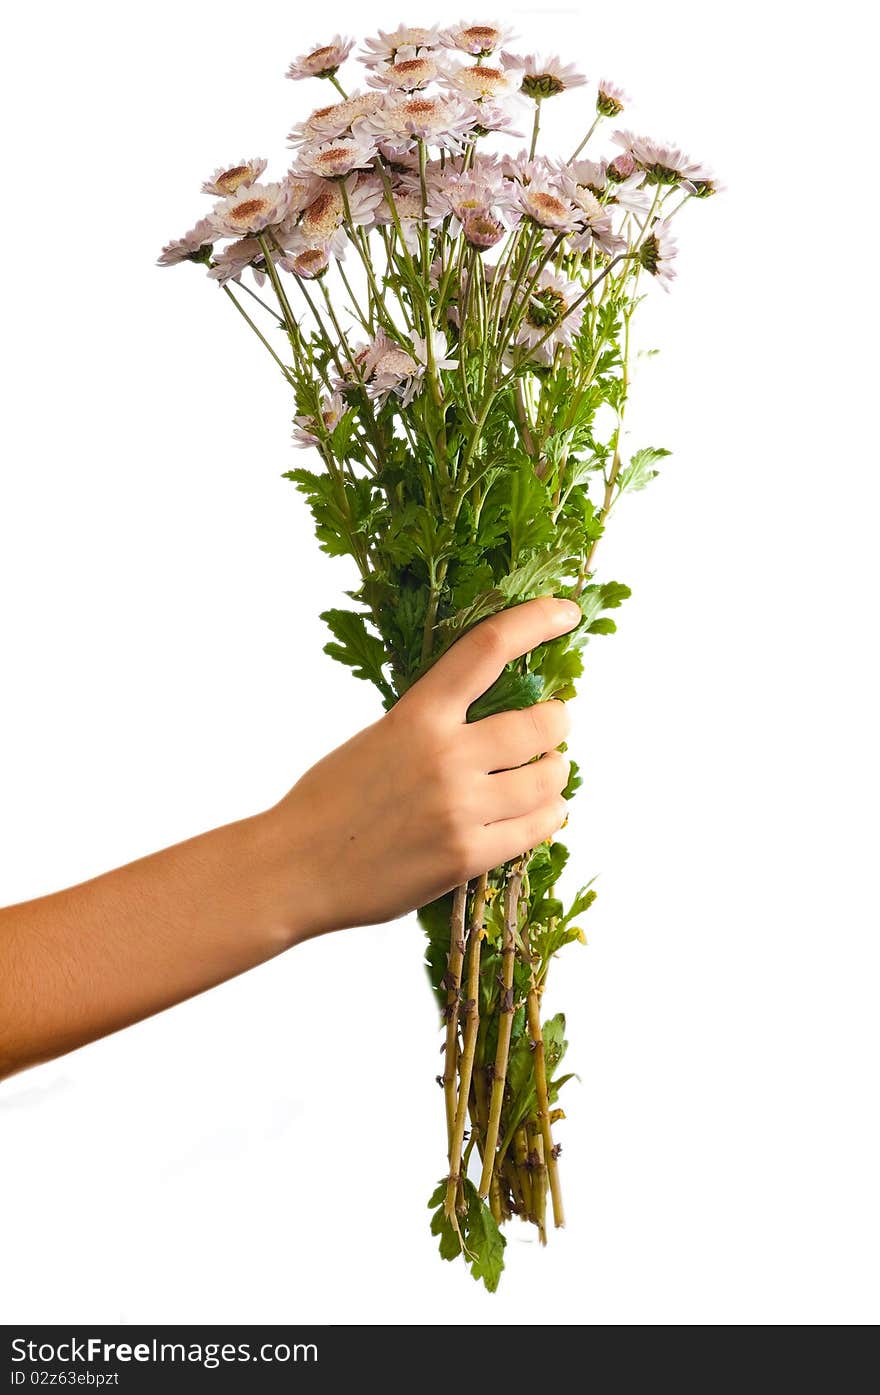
363	652
539	576
594	599
331	525
510	692
582	902
559	666
489	603
484	1240
575	780
545	867
640	470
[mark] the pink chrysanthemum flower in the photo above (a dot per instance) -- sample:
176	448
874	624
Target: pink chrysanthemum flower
322	62
480	190
408	207
663	164
337	158
588	174
482	230
496	117
549	314
194	246
611	99
328	123
657	253
482	83
386	47
251	209
525	171
628	193
477	39
228	179
547	206
544	77
441	121
388	368
703	183
309	262
622	167
305	430
236	258
595	225
320	222
409	72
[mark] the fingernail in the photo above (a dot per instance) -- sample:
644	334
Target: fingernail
572	611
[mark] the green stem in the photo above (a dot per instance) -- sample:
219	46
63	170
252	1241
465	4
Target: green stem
262	338
469	1045
512	892
454	964
535	125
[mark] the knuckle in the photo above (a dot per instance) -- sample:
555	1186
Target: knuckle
488	638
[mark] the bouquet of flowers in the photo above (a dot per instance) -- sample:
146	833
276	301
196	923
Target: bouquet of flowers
453	316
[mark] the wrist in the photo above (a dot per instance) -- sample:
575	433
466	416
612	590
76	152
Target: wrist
284	873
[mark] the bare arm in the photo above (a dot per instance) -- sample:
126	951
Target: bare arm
450	799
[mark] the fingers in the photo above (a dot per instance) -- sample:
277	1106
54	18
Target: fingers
511	837
475	661
514	793
510	739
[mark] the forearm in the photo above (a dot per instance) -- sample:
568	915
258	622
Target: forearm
99	956
410	807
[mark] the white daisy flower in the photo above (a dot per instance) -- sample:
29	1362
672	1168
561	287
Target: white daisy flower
322	62
611	99
227	179
547	206
478	39
544	77
194	246
328	123
482	83
305	431
442	121
337	158
657	253
251	209
385	48
409	72
439	349
549	310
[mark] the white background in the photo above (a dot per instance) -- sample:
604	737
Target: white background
264	1153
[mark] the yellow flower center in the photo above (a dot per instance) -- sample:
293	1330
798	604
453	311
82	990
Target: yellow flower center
230	180
246	210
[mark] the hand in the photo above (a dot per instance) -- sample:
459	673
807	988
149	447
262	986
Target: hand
421	801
